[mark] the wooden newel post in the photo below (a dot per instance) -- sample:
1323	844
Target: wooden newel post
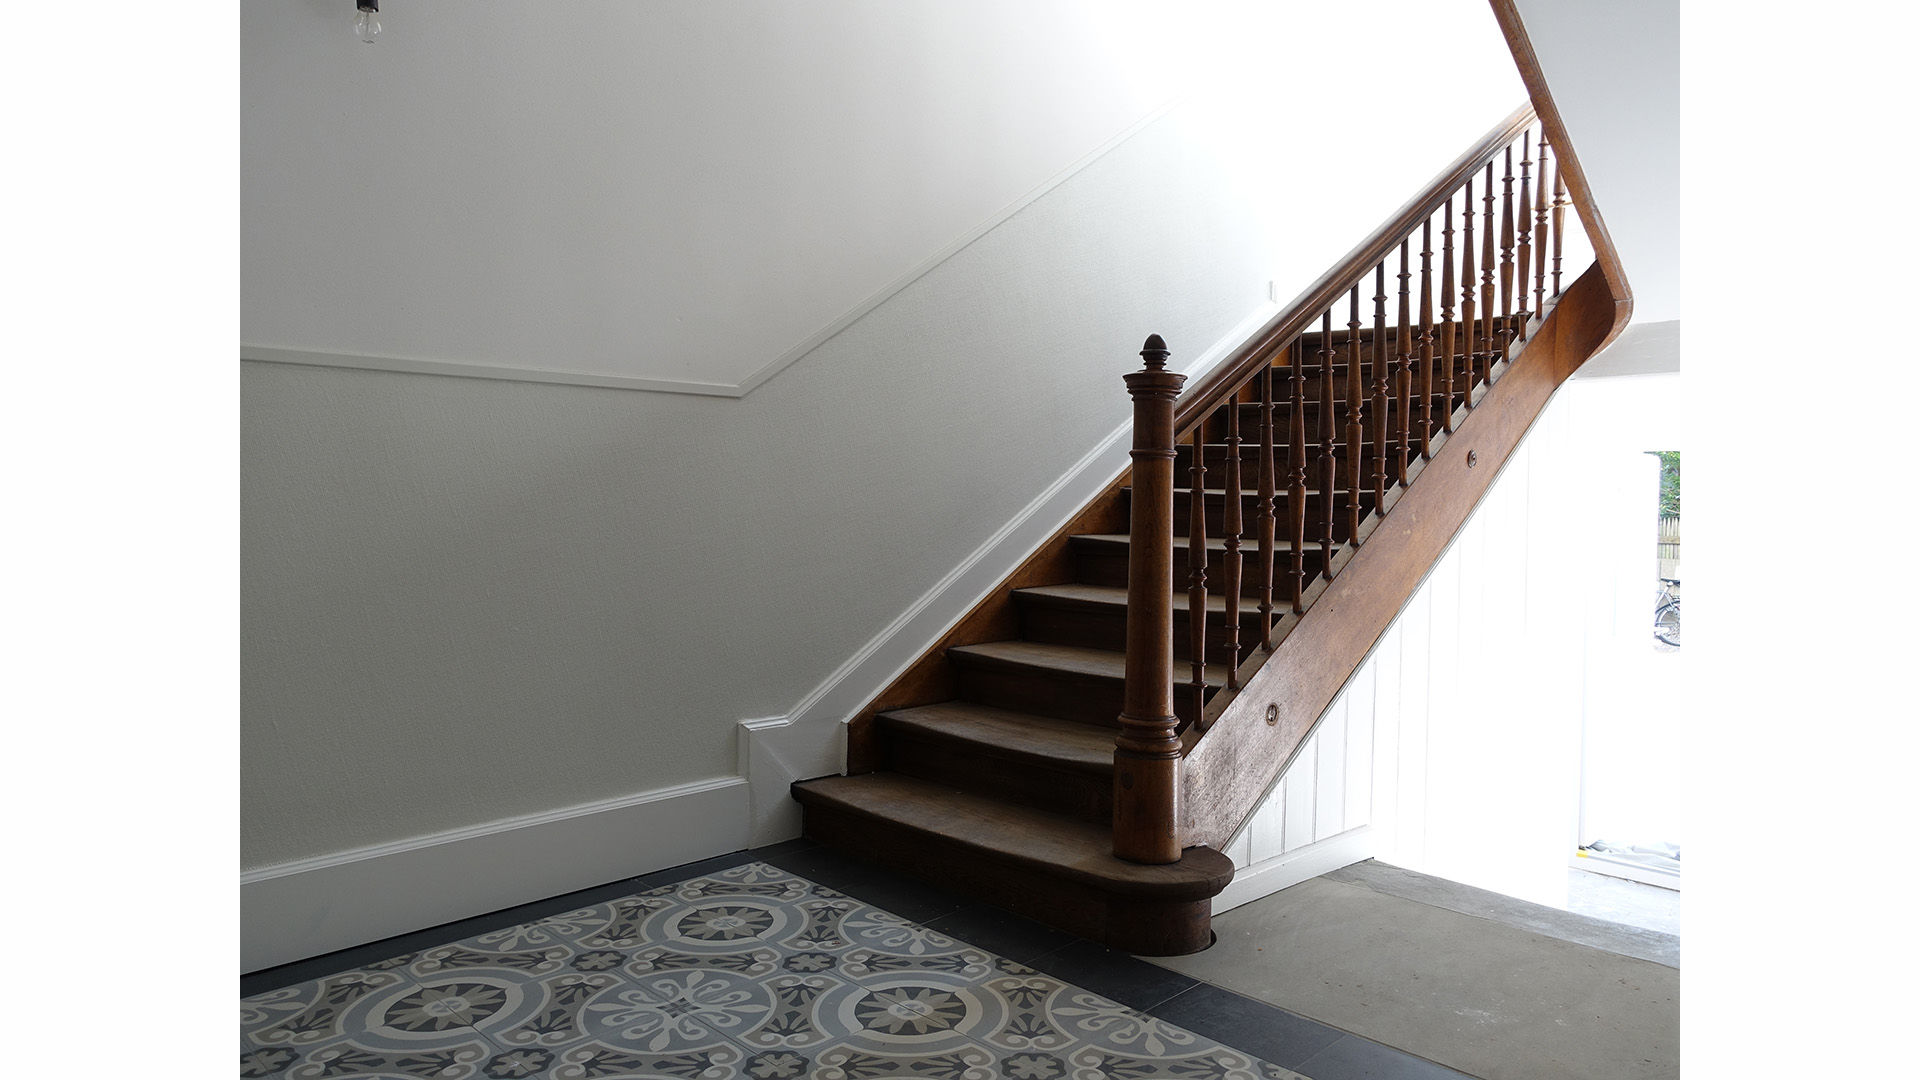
1146	757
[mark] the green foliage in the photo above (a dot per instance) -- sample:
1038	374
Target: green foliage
1669	482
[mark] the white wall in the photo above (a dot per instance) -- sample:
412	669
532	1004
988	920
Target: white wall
1457	749
476	606
690	195
1614	71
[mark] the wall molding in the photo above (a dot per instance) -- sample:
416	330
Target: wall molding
313	906
1290	868
469	369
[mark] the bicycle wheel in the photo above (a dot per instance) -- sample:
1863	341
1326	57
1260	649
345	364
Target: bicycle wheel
1666	624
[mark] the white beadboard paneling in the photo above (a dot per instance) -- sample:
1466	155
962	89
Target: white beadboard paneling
1456	749
1383	814
1265	834
1359	757
1293	867
1298	795
1330	771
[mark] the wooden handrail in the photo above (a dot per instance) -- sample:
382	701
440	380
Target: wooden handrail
1280	330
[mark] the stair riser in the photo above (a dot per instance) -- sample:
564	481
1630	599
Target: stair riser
1087	796
1106	628
1144	927
1085	699
1109	567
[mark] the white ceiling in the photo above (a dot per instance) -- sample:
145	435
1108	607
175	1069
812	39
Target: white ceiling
1614	71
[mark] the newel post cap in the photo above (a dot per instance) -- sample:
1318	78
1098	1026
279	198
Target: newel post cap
1154	352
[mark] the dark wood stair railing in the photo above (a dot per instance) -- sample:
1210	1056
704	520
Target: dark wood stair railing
1041	755
1386	434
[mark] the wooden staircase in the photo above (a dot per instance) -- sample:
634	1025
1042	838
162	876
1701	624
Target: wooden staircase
990	767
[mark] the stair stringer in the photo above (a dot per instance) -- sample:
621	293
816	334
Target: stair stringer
1255	734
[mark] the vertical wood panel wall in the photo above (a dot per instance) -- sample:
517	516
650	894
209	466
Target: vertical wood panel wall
1455	750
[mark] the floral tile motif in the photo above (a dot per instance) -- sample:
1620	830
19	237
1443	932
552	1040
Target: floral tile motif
851	1062
748	972
595	1060
675	1011
312	1012
365	1059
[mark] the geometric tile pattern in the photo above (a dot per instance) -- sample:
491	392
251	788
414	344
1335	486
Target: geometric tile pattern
750	972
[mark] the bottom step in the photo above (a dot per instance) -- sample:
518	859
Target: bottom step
1050	868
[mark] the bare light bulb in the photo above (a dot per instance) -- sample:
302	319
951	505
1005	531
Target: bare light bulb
367	25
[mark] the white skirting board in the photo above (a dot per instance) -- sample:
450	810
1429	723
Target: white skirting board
314	906
1250	883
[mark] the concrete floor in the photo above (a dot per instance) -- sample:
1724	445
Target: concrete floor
1491	986
1620	901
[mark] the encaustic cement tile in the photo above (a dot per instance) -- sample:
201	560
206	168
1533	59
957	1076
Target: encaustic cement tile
747	972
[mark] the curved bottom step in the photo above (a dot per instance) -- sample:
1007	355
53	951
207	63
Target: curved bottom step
1053	869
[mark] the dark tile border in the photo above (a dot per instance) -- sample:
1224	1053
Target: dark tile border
1249	1025
1354	1058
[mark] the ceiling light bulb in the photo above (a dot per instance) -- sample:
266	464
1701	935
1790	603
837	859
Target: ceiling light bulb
367	23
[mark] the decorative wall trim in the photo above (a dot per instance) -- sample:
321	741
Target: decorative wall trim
313	906
1250	883
478	370
466	369
888	653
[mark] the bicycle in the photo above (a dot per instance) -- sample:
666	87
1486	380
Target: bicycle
1666	613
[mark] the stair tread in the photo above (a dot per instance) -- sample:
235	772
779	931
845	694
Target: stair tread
1077	659
1116	596
1050	844
1062	742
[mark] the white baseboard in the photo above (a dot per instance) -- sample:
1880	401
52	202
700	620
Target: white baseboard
300	909
1265	878
774	752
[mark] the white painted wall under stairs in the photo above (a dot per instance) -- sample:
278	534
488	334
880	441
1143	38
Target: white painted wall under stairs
1456	749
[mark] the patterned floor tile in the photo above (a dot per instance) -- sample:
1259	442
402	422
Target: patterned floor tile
319	1010
358	1057
598	1060
746	971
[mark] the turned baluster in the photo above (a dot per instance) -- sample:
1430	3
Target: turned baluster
1197	568
1446	315
1297	480
1524	256
1426	339
1356	418
1230	535
1542	199
1489	341
1146	756
1402	379
1327	466
1467	284
1264	522
1382	388
1506	259
1560	201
